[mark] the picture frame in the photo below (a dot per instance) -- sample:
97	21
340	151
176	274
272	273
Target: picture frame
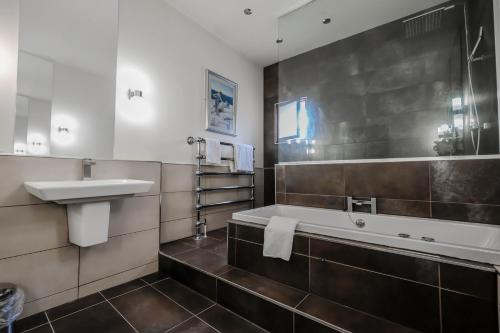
221	104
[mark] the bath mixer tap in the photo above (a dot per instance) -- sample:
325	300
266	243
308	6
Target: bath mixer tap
87	168
353	203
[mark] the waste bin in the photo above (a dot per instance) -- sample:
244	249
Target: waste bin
11	305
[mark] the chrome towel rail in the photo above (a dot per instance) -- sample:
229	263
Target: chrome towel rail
201	225
215	173
224	188
217	204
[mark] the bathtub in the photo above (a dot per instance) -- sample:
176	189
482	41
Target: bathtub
475	242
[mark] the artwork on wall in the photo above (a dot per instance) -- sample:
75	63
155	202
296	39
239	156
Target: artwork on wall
221	104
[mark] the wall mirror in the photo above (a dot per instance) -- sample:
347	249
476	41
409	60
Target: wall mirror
66	78
411	79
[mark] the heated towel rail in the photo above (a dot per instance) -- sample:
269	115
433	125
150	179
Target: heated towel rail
201	224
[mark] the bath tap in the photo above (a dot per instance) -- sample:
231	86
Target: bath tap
352	203
87	168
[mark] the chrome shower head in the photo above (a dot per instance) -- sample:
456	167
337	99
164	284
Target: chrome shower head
424	23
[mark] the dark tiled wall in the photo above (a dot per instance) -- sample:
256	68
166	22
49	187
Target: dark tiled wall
380	94
270	152
423	294
461	190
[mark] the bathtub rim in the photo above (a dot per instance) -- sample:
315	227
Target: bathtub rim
383	248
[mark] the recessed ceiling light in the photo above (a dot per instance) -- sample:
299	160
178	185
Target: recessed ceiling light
247	11
326	20
279	40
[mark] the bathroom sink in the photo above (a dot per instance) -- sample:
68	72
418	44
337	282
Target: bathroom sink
88	204
64	192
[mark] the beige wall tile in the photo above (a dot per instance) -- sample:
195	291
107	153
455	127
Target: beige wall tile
33	228
118	254
49	302
259	177
134	214
117	279
177	229
15	170
129	169
177	205
178	177
44	273
215	197
221	196
259	196
218	181
218	220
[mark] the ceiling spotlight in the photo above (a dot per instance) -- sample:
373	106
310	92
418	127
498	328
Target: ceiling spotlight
247	11
326	20
279	40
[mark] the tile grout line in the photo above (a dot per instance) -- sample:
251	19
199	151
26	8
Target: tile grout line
80	310
440	301
309	265
178	253
374	272
190	312
119	313
34	328
179	324
201	295
197	315
50	323
302	301
39	251
430	188
125	293
115	274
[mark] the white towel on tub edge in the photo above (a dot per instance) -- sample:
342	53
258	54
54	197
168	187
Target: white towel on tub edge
278	237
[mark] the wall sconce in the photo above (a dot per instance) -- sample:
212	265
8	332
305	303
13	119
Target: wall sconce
133	82
19	148
134	93
64	130
36	147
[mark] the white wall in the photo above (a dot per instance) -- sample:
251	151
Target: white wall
35	77
9	16
84	103
39	126
165	54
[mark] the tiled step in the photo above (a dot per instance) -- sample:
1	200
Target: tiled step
272	305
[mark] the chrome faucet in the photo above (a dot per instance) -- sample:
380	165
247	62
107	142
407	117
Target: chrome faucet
353	203
87	168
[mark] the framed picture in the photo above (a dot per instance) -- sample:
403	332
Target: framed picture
221	104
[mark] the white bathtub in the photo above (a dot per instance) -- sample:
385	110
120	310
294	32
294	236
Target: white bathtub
476	242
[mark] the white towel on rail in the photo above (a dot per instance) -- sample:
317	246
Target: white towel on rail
243	157
213	151
278	237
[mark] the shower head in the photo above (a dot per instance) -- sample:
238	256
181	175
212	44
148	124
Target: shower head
424	23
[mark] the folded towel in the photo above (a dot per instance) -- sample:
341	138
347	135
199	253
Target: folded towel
213	151
243	157
278	237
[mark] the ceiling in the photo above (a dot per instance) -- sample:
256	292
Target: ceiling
255	36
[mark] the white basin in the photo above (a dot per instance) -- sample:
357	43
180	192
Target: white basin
88	204
74	191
